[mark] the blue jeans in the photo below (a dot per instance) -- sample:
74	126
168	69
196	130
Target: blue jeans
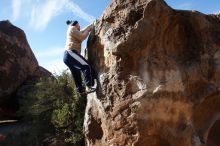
77	64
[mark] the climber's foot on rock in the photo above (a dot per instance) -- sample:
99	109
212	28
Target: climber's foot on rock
90	89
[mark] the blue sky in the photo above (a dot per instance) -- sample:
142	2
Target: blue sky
44	22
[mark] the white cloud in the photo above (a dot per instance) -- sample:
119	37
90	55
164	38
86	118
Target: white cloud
53	52
52	59
55	66
41	12
184	6
16	9
79	12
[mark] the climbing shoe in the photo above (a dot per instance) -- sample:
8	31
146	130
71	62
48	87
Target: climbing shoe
90	89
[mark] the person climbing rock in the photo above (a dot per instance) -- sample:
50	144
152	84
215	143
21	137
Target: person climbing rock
76	62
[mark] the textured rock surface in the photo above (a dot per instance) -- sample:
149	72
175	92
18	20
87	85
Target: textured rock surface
159	77
17	61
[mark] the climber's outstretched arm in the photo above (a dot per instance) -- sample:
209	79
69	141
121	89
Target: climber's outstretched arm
81	35
87	28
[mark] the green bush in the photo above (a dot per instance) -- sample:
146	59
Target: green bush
54	108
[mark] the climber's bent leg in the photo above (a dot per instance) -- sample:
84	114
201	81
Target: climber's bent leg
92	70
87	74
78	79
82	64
69	61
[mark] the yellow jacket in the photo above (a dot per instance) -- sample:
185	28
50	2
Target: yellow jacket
75	37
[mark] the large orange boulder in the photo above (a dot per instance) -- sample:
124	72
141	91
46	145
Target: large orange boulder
159	77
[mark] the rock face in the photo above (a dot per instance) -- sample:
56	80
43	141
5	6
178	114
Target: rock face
17	61
159	77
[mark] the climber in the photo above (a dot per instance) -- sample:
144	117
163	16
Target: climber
76	62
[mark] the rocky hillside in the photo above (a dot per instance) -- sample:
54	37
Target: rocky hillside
159	77
18	65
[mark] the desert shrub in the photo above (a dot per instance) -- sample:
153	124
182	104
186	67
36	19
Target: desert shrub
53	108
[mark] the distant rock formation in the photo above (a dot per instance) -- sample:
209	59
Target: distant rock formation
17	62
159	77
